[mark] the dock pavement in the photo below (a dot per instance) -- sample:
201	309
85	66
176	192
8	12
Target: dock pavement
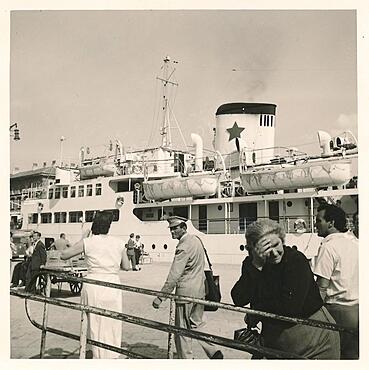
25	338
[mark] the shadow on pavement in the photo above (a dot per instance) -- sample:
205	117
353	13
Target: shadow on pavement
58	353
55	293
146	349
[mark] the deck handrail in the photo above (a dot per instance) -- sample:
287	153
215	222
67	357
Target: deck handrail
169	328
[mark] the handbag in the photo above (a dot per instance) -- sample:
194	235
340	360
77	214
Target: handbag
249	336
212	284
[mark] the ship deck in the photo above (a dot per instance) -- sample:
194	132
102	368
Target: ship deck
25	338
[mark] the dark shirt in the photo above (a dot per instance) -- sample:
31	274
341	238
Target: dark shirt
287	288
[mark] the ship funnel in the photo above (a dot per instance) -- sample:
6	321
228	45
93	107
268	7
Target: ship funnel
196	139
324	143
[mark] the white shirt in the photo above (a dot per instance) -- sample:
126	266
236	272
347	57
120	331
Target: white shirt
338	261
103	254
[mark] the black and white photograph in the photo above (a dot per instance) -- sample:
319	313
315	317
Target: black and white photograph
184	182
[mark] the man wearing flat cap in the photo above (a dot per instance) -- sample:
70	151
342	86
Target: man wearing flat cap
187	276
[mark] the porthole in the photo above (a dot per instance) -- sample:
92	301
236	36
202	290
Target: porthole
220	208
242	247
165	246
153	246
289	204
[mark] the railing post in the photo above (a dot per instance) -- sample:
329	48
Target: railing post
171	335
83	335
45	317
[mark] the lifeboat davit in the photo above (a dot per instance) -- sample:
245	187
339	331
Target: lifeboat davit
312	174
194	184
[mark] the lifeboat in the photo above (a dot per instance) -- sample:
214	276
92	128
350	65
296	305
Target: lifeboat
96	170
192	185
311	174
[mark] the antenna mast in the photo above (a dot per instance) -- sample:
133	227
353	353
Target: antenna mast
166	140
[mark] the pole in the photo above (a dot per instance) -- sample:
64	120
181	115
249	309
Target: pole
62	138
171	335
45	317
83	336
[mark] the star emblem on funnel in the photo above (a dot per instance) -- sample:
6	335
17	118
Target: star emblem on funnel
235	132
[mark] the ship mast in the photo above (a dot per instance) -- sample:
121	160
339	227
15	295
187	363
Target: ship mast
166	140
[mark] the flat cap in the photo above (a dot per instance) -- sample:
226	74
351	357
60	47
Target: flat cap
175	221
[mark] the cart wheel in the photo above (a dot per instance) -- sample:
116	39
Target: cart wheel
75	287
41	284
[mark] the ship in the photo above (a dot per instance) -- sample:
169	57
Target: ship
244	177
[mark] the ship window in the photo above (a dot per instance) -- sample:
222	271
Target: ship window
60	217
220	208
72	191
264	120
51	193
33	218
57	193
46	218
271	121
81	191
65	192
89	216
89	190
261	120
289	204
98	189
75	216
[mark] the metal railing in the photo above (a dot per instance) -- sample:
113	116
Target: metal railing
169	328
236	225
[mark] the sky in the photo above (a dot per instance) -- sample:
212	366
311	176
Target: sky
90	76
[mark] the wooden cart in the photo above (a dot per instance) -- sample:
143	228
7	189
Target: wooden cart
74	267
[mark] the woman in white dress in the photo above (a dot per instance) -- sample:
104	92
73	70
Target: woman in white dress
104	255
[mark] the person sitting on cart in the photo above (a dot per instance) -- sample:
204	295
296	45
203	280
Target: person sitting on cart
38	260
20	270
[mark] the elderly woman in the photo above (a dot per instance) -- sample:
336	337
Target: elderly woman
104	255
278	279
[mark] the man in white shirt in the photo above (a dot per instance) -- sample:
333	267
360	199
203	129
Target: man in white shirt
337	271
61	243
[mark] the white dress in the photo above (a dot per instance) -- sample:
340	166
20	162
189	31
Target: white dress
103	255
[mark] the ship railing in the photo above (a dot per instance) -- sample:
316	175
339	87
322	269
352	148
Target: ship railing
235	225
169	328
250	158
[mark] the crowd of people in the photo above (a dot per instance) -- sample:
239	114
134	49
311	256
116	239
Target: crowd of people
275	278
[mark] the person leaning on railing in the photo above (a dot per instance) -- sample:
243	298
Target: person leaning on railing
103	254
278	279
